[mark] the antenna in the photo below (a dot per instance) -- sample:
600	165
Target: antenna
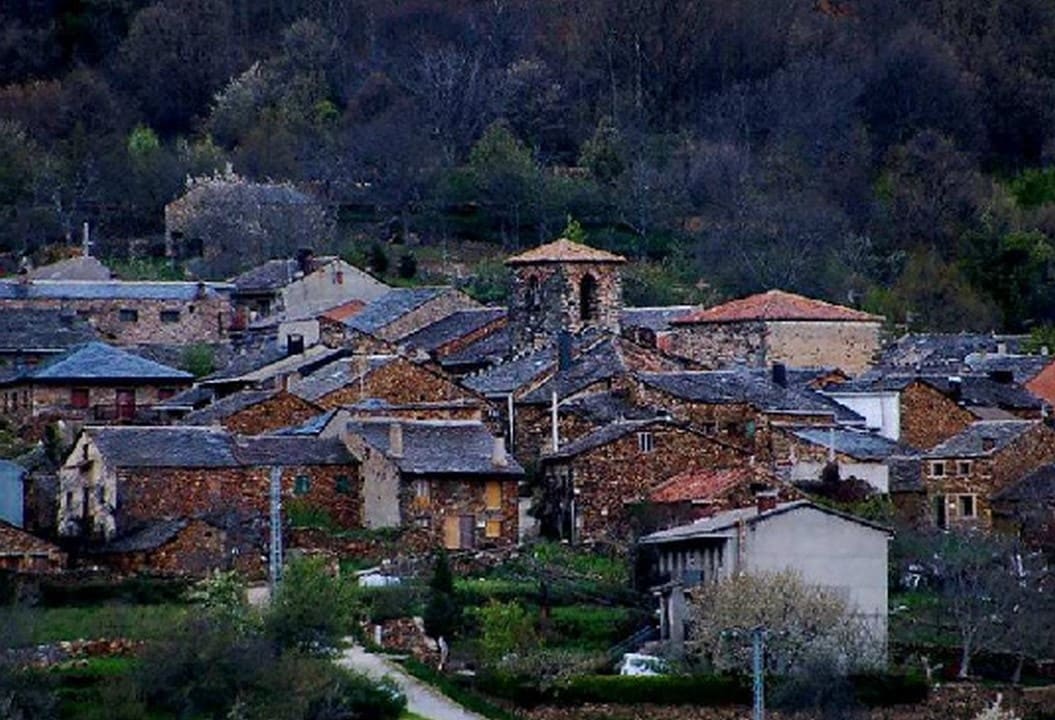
86	240
275	557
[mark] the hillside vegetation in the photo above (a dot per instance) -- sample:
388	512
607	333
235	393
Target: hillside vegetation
887	153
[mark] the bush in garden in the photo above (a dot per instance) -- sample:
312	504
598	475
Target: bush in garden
312	609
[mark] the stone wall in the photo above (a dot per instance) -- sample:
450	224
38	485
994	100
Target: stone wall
205	319
54	401
400	382
456	497
447	303
849	346
611	477
929	417
281	410
545	299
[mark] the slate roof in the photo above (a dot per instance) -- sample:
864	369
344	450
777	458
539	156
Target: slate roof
972	440
391	306
724	524
512	375
107	290
755	388
289	450
775	305
208	447
943	350
309	428
225	407
1022	368
267	363
605	407
170	446
145	539
656	319
269	276
700	484
608	433
33	329
564	251
191	398
1037	487
75	268
438	447
488	350
975	390
338	374
853	443
905	474
98	361
453	327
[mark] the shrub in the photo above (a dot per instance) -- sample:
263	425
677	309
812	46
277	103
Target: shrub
198	360
312	610
504	628
389	603
306	514
442	612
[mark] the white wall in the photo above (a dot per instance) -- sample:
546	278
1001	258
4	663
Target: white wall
881	410
333	284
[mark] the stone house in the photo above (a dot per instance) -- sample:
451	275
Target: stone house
267	367
168	547
255	412
402	312
124	485
452	479
30	336
91	383
393	379
563	286
777	327
304	286
591	486
960	476
857	454
225	224
1027	508
825	547
456	332
131	313
22	552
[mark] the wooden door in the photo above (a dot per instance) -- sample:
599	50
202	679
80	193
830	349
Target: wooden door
452	532
467	526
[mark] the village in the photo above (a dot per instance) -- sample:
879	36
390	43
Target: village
179	430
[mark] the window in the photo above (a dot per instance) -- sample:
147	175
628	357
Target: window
534	294
166	393
966	506
301	485
493	495
79	398
128	315
646	443
964	467
170	316
493	529
937	469
749	429
343	485
421	494
588	299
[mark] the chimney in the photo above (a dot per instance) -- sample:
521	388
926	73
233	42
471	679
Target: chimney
780	374
766	501
956	387
1001	348
306	260
282	382
294	344
988	444
499	458
395	440
1045	351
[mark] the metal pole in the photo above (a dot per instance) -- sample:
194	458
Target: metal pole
275	556
554	423
758	639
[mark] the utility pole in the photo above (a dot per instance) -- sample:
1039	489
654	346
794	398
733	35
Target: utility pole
758	649
275	556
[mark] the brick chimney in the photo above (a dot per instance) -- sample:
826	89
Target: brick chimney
780	374
395	440
766	501
499	457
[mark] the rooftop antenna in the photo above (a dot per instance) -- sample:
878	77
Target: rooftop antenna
275	556
86	240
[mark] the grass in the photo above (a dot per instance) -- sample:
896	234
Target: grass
463	696
134	622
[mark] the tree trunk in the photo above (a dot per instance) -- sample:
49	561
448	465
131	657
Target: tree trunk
965	662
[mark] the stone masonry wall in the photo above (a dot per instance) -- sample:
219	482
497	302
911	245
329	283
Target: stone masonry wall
928	417
459	497
536	322
55	400
610	477
282	410
205	319
400	382
849	346
718	345
436	309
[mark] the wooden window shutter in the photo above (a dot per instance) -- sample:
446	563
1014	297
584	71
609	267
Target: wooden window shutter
493	495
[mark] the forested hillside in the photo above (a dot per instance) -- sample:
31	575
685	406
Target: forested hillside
889	153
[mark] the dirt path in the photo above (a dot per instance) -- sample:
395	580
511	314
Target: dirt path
422	699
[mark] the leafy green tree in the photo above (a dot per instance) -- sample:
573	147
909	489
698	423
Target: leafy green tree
312	610
442	615
603	153
198	359
505	179
505	628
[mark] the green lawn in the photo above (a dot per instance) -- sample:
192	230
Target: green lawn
136	622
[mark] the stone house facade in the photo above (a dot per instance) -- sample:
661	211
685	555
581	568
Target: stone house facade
402	312
777	327
960	475
118	483
132	313
255	412
451	479
91	383
592	484
563	286
21	552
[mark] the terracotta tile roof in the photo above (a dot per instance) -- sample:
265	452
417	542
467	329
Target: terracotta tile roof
1043	385
775	305
345	311
700	484
564	250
